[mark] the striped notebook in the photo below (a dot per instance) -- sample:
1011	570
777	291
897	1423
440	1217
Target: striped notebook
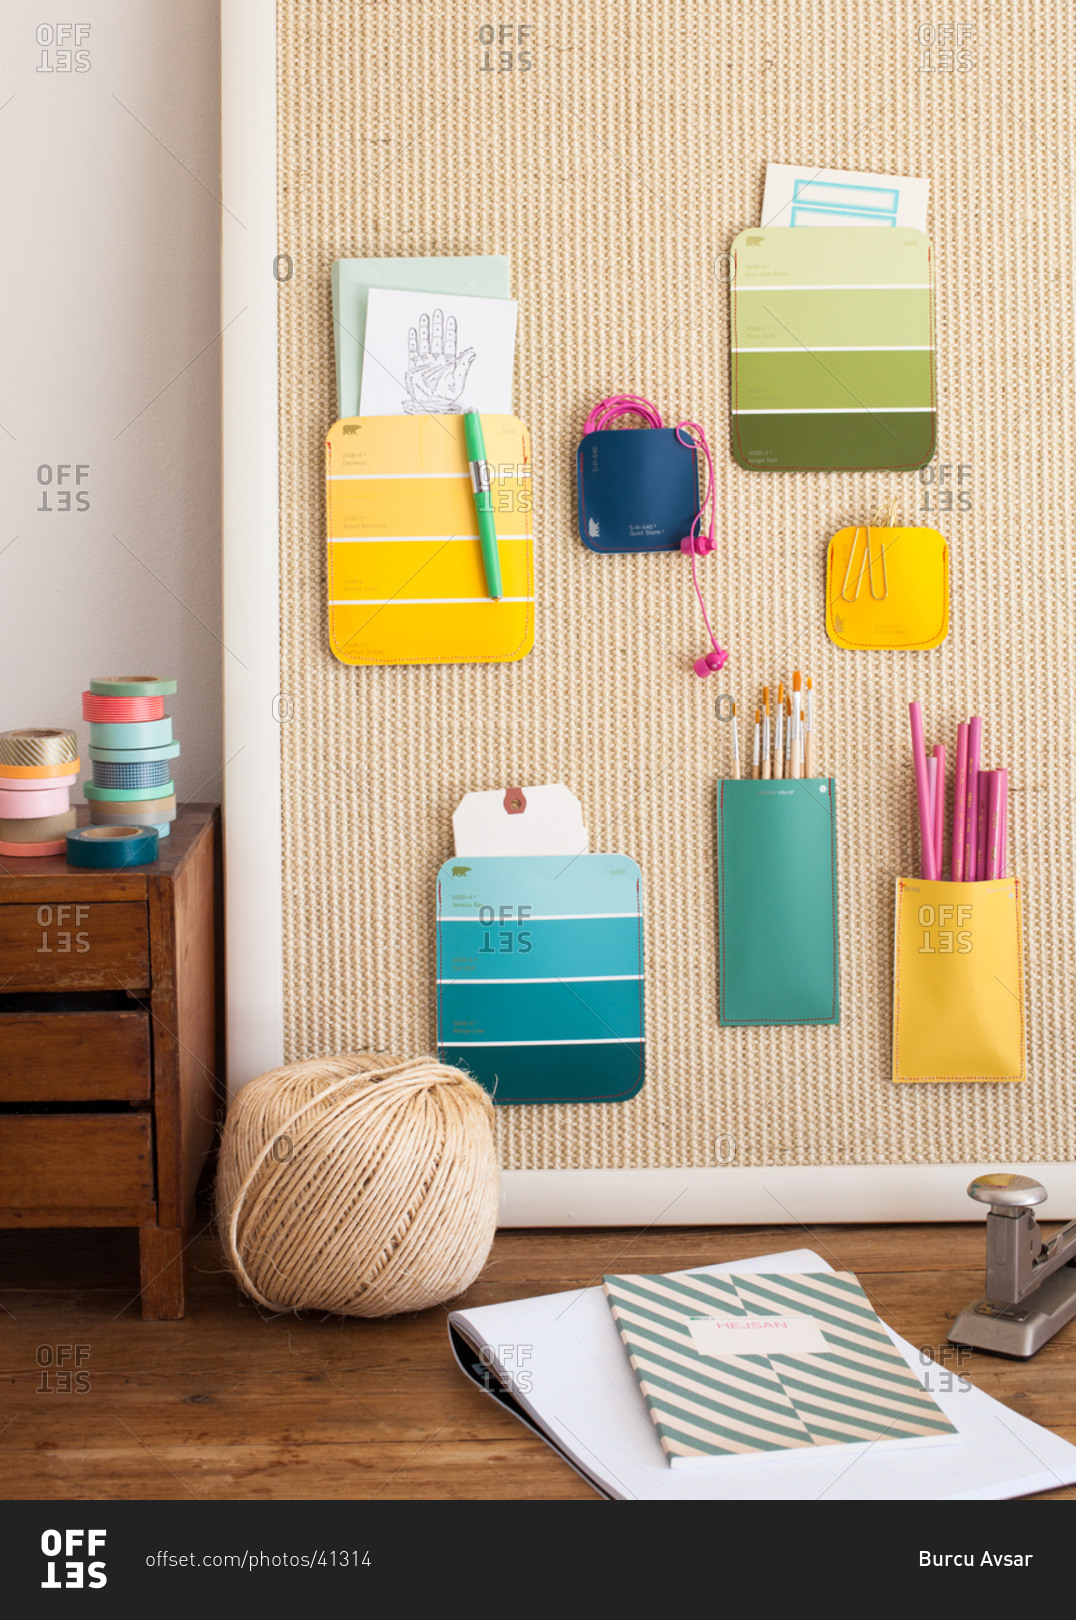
405	575
740	1364
540	975
832	358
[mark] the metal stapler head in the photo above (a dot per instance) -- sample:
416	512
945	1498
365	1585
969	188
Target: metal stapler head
1030	1285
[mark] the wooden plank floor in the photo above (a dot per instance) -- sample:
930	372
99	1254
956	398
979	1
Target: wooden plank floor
232	1403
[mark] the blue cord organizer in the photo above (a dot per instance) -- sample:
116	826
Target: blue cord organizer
638	490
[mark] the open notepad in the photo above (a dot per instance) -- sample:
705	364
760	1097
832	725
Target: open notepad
558	1364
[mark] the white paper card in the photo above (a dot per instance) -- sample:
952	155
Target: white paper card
551	824
799	194
723	1337
437	354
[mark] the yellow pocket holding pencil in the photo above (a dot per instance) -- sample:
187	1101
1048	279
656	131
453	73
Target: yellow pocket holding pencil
405	574
958	983
887	589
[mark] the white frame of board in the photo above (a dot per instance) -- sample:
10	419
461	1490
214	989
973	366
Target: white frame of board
720	1196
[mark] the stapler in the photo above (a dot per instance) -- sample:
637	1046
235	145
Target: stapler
1030	1285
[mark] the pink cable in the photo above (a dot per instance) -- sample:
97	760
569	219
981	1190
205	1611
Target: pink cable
695	544
607	411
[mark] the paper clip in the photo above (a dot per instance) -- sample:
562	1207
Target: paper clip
866	562
887	520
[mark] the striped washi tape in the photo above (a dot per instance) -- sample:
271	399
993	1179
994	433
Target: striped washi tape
130	734
100	847
148	773
132	686
122	709
134	756
38	746
166	790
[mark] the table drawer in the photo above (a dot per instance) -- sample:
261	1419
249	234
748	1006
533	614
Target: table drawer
83	946
72	1164
74	1056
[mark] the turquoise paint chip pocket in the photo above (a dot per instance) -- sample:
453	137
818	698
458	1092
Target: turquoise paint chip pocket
777	902
540	975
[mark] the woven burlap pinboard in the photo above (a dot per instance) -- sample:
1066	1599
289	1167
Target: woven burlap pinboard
615	170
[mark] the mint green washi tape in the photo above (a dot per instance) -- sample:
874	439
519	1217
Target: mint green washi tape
130	733
134	756
132	795
133	686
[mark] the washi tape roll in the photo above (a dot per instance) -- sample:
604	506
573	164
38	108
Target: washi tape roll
29	774
147	773
39	746
132	686
132	734
143	810
135	756
55	846
121	709
36	784
36	829
50	801
92	791
111	846
148	816
161	828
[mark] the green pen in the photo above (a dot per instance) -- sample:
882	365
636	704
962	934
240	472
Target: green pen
481	484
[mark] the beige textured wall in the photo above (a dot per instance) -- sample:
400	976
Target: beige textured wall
615	172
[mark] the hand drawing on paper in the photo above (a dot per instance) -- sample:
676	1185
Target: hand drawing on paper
436	374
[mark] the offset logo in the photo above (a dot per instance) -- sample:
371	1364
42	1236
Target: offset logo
77	1570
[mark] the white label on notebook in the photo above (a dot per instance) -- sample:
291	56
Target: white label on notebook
551	823
720	1337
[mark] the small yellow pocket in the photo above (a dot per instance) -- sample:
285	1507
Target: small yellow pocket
887	588
958	982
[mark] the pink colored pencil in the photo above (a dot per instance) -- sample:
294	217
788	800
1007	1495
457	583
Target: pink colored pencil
939	810
960	800
971	804
922	792
980	831
1003	820
993	822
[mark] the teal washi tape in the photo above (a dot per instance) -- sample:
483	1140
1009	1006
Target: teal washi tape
135	756
141	774
92	791
130	733
111	847
133	686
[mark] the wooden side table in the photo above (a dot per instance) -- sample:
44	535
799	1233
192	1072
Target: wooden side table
111	1024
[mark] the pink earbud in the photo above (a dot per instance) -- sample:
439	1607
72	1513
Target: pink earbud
711	663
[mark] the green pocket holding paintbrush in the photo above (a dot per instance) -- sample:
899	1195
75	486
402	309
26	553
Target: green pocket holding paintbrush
777	902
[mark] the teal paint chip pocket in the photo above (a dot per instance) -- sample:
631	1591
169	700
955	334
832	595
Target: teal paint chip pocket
777	902
540	976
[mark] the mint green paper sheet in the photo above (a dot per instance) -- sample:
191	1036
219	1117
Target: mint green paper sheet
478	276
777	902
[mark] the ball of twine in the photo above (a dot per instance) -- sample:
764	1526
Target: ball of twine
358	1185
